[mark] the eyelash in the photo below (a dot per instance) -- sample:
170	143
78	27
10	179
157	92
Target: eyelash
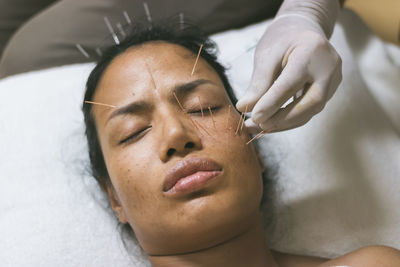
206	112
134	136
196	112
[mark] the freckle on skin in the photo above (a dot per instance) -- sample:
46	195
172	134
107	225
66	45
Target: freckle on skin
181	213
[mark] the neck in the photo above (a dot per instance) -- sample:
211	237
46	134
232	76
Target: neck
246	249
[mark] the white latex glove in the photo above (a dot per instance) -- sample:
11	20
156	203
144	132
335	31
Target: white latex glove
293	54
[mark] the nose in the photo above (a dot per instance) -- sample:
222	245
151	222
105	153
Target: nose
179	137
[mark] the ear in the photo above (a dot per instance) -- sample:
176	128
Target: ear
116	203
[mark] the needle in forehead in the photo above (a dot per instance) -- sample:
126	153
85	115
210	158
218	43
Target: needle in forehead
151	75
197	59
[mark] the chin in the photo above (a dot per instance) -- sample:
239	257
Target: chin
206	221
204	218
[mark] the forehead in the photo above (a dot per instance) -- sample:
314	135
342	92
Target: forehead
138	68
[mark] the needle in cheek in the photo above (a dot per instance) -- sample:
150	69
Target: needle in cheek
239	123
259	135
204	129
212	117
244	117
191	120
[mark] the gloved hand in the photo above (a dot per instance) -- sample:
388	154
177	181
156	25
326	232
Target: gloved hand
293	59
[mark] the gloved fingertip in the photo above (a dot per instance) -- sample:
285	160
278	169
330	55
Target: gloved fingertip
258	117
252	127
241	104
248	100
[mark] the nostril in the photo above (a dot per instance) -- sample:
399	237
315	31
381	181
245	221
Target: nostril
189	145
170	152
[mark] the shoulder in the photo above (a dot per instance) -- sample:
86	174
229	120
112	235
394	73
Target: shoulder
370	256
293	260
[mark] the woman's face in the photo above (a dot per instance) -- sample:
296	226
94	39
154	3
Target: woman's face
149	143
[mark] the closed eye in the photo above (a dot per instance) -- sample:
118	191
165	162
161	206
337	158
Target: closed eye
135	136
206	112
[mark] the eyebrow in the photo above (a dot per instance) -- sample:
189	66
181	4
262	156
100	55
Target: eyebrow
186	88
140	106
134	107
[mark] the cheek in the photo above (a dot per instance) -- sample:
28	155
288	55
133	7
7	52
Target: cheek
228	141
129	173
229	137
245	172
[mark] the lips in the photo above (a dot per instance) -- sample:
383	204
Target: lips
190	175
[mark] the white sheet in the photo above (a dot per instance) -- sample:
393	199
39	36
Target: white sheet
339	174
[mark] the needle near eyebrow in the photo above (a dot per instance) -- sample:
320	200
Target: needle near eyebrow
100	104
184	111
179	103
